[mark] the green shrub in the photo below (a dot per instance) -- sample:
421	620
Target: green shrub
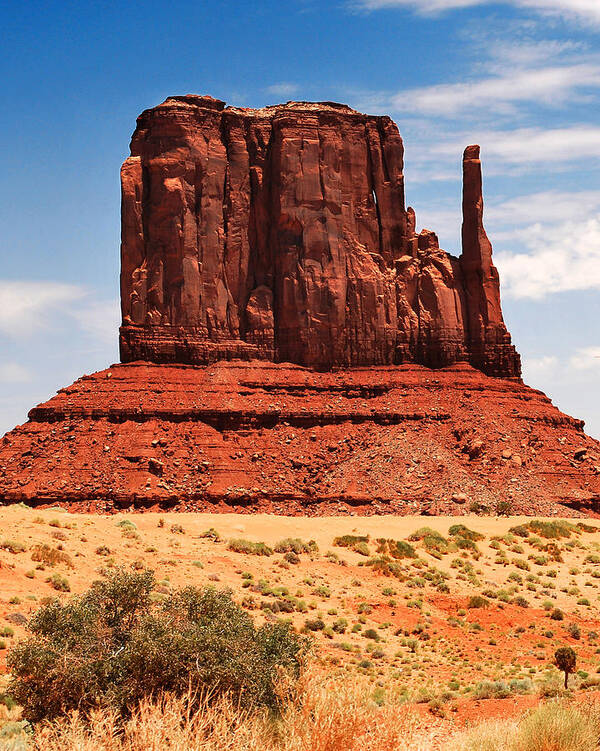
59	583
459	530
358	543
113	646
295	545
395	548
248	547
13	546
211	534
477	601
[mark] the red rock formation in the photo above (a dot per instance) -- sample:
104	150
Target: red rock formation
281	438
488	340
282	234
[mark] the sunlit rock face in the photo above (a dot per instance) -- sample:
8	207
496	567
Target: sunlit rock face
282	234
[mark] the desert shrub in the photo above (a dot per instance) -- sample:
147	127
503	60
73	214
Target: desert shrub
292	558
50	556
433	542
13	546
395	548
574	630
459	530
296	545
491	690
557	614
477	601
520	530
314	624
211	534
248	547
385	566
358	543
59	583
114	645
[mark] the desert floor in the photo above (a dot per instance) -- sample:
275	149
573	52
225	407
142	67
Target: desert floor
466	630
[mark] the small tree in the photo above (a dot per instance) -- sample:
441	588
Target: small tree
565	659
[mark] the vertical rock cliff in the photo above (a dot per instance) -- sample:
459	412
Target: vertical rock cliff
282	234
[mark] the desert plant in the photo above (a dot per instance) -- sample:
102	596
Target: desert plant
565	660
248	547
114	645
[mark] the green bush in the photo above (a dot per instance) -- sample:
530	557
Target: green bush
459	530
396	548
296	545
114	645
249	548
358	543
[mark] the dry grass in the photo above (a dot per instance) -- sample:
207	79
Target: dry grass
320	716
554	726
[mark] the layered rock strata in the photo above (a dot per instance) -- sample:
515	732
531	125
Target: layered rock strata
279	438
282	234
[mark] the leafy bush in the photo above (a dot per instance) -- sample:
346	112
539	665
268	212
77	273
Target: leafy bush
114	645
13	546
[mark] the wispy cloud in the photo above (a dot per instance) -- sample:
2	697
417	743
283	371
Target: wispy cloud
30	308
550	86
580	9
25	306
282	89
12	372
560	258
586	358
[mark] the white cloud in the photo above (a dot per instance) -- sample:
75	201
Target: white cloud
582	9
586	358
12	372
546	207
559	258
537	367
26	306
528	145
550	86
100	320
282	89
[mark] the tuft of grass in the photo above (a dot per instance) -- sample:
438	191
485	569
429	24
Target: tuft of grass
50	556
13	546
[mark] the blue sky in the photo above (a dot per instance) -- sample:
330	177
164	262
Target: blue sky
520	77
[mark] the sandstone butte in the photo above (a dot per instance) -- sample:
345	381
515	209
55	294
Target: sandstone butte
290	344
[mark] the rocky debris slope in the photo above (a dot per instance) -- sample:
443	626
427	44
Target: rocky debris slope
282	234
282	438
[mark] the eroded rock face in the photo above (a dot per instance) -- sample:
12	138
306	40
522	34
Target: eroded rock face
282	234
280	438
